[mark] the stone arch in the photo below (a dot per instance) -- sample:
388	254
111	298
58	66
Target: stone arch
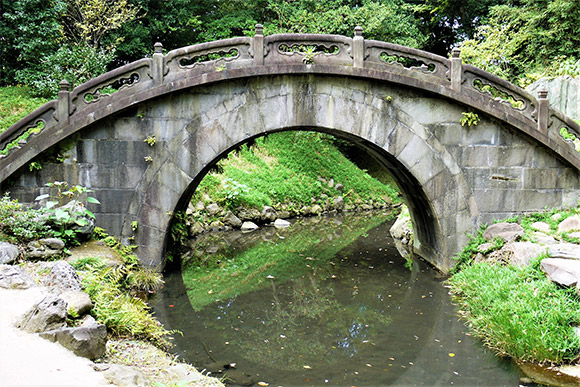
214	120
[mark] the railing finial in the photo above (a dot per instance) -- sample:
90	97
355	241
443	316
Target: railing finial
158	48
456	52
64	85
543	110
456	71
358	49
258	45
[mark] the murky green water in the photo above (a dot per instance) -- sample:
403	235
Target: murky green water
327	301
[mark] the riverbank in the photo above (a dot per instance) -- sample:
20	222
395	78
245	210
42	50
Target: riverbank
516	287
28	359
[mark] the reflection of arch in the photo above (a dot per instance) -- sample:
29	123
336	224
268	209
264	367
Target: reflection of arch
237	112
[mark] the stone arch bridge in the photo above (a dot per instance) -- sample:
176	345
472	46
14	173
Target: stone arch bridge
400	105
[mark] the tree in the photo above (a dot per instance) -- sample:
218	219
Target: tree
526	36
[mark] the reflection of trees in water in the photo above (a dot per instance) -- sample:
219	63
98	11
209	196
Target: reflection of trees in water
304	324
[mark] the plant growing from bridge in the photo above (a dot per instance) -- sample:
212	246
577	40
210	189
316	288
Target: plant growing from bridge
469	119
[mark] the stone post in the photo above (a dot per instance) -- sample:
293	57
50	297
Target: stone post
259	45
358	47
543	111
63	104
456	69
157	69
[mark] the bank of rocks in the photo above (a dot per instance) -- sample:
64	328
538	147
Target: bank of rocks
206	215
557	246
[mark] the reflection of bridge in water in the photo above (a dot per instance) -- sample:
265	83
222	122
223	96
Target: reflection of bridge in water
400	105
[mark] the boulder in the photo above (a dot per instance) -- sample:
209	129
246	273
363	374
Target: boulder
521	253
87	340
564	250
78	303
232	220
565	272
402	229
338	203
281	223
124	376
543	239
196	228
542	227
316	209
249	214
62	278
268	214
571	223
248	226
507	231
485	247
48	314
213	209
199	206
52	243
9	253
38	250
339	187
15	277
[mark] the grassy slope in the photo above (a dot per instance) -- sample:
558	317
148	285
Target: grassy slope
15	103
291	168
518	312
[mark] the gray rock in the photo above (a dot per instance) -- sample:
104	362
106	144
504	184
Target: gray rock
281	223
556	217
232	220
216	225
485	247
564	250
62	278
507	231
249	214
316	210
196	228
402	228
35	250
213	209
268	214
565	272
575	234
48	314
543	239
571	223
124	376
521	253
52	243
248	226
87	340
9	253
339	187
338	203
183	373
199	206
78	303
542	227
15	277
331	182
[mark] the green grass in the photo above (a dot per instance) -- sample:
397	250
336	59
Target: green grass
290	167
518	312
16	103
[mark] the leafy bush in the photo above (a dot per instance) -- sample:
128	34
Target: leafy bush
75	63
19	224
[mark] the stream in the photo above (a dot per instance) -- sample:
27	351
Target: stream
327	301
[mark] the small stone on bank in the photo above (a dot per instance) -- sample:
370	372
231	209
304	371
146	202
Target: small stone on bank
281	223
249	226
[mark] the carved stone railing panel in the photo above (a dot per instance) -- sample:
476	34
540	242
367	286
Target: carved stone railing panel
130	76
308	49
500	91
34	123
563	130
400	59
210	57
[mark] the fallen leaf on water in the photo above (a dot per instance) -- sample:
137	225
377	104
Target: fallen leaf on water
210	292
369	365
451	354
263	384
392	358
307	367
270	276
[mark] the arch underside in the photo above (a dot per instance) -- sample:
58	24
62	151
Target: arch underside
454	178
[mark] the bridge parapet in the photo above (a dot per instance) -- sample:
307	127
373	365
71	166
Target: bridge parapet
276	54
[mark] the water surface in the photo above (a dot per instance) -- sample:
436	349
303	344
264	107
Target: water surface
328	301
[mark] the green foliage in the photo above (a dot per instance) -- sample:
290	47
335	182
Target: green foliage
150	140
518	312
34	166
565	133
15	103
469	119
19	224
525	37
65	220
288	168
75	63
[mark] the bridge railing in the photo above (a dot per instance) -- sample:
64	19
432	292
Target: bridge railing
94	99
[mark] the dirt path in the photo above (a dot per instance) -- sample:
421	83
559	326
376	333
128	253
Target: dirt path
28	360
